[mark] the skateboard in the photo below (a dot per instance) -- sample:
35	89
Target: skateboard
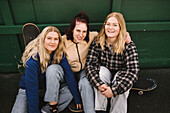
72	107
143	85
30	31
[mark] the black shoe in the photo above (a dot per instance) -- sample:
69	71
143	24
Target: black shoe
54	108
101	112
72	107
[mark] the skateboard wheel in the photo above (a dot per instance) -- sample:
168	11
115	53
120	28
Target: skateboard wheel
140	92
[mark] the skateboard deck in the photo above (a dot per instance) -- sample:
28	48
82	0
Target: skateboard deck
72	107
30	31
143	85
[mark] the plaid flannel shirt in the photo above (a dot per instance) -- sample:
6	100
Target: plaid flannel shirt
126	65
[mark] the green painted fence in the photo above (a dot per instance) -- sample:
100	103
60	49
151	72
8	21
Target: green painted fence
148	22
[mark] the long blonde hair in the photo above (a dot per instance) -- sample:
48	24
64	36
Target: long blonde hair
118	46
37	46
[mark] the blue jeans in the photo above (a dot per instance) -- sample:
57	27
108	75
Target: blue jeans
118	104
20	105
87	93
55	92
54	80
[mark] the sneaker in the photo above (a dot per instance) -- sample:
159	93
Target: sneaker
46	109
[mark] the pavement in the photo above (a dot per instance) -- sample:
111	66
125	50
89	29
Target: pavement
156	101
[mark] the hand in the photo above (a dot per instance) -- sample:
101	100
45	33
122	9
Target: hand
128	38
108	92
102	87
79	106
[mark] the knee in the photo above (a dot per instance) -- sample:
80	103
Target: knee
105	74
84	83
54	70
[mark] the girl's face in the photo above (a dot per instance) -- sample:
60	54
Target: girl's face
112	28
51	41
79	32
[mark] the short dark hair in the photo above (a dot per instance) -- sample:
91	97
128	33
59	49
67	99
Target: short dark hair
80	17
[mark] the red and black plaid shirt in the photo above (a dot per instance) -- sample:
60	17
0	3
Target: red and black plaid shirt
125	64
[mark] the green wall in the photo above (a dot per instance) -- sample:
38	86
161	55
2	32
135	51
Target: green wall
148	22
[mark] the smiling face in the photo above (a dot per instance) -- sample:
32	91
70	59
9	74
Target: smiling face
51	41
112	28
79	32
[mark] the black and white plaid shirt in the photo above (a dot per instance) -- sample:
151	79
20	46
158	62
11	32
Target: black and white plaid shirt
126	65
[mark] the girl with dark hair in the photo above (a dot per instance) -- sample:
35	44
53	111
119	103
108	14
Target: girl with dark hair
76	43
